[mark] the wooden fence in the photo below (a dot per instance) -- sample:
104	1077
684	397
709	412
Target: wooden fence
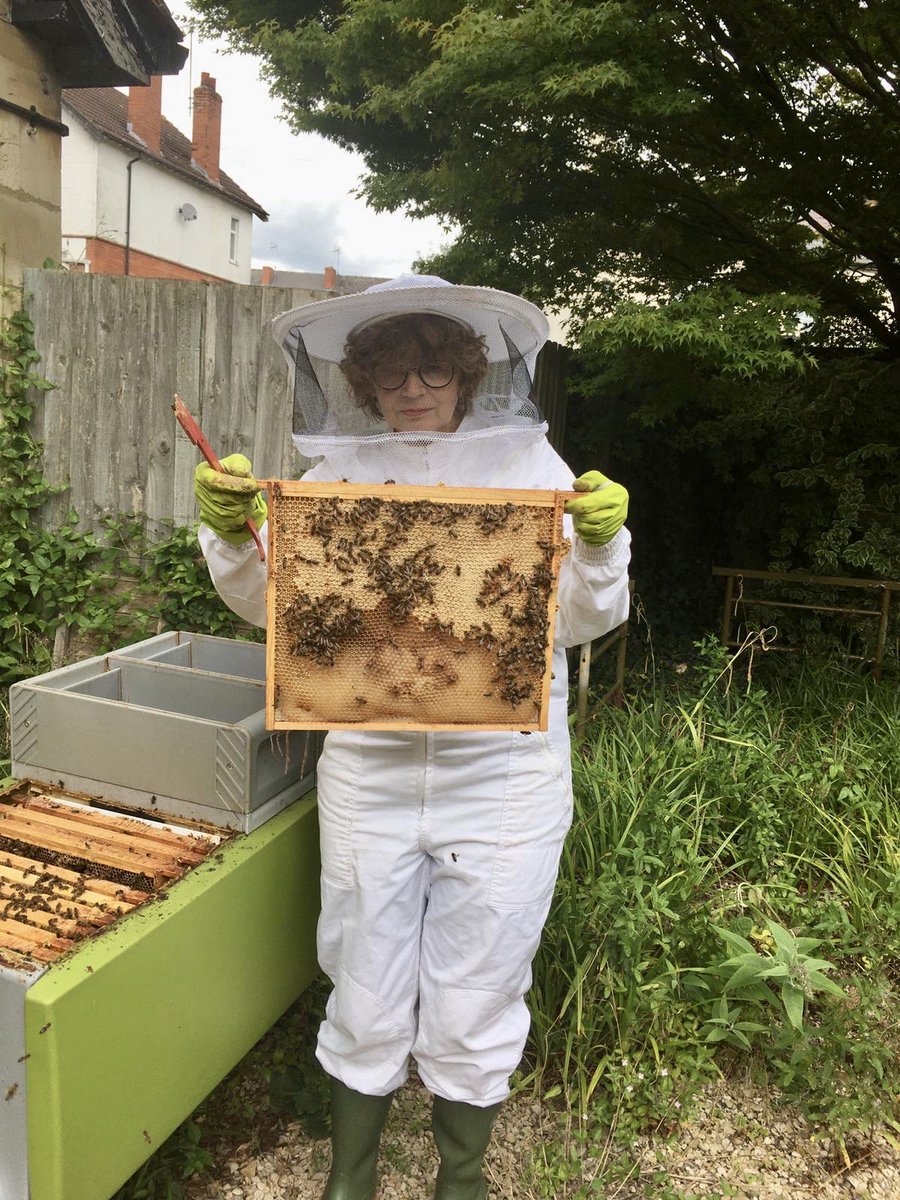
117	348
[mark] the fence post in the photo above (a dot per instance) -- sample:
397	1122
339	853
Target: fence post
882	633
584	678
725	636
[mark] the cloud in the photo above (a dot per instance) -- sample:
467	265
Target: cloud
299	236
309	235
304	182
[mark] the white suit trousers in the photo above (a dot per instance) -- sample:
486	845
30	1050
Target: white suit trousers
439	857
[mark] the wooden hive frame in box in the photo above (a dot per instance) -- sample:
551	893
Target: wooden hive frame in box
410	608
68	870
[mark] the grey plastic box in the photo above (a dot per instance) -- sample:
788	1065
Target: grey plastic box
174	724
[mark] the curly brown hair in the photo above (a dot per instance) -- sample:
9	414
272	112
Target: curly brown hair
413	334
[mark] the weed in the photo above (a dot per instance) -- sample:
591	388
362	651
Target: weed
180	1158
703	812
746	976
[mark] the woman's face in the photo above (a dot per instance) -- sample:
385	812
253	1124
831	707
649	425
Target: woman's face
416	399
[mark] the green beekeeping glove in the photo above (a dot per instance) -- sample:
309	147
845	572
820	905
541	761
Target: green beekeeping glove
601	512
229	498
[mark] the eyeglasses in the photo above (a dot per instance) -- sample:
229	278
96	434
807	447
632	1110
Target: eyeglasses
433	374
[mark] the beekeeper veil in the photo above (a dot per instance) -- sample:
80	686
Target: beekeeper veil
331	423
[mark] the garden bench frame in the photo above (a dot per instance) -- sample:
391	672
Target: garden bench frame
736	577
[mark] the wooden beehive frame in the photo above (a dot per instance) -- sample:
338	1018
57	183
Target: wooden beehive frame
68	870
521	531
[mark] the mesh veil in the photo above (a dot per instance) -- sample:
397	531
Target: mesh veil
330	426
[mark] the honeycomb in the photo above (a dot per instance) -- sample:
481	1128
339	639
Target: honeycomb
397	607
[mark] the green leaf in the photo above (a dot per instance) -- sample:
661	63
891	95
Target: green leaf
735	941
793	1001
718	1034
749	971
784	940
821	983
778	971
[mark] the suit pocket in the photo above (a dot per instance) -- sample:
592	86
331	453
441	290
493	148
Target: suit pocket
337	777
537	812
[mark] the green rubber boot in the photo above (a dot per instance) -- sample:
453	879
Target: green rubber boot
462	1132
356	1124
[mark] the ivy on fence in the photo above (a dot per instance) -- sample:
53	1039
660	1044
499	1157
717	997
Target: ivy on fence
112	589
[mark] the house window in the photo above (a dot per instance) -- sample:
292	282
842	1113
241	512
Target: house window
233	245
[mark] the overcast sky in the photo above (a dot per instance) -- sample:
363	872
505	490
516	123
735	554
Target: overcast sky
305	183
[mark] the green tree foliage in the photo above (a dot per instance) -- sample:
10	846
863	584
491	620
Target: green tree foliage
710	190
793	471
631	147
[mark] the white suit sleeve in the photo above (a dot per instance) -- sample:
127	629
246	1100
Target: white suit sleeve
593	588
236	571
593	595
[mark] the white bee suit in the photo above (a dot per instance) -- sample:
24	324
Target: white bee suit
440	850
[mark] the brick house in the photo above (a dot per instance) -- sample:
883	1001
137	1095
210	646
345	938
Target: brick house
141	198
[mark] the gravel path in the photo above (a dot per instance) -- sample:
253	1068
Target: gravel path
738	1144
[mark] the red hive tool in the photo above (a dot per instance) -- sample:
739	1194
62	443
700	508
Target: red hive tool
194	432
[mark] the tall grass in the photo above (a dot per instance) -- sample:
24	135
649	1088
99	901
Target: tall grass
719	801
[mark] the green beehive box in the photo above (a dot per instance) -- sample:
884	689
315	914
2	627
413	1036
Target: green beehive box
126	1035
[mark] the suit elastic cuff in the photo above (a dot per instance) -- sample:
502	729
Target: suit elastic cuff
600	555
237	549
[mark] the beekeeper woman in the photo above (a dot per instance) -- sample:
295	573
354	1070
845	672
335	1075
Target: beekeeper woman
439	850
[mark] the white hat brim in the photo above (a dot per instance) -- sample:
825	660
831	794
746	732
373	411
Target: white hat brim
325	325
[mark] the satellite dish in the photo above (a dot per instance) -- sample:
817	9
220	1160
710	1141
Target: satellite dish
188	212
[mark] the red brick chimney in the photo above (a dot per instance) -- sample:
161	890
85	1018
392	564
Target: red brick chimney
145	112
330	279
267	277
207	128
